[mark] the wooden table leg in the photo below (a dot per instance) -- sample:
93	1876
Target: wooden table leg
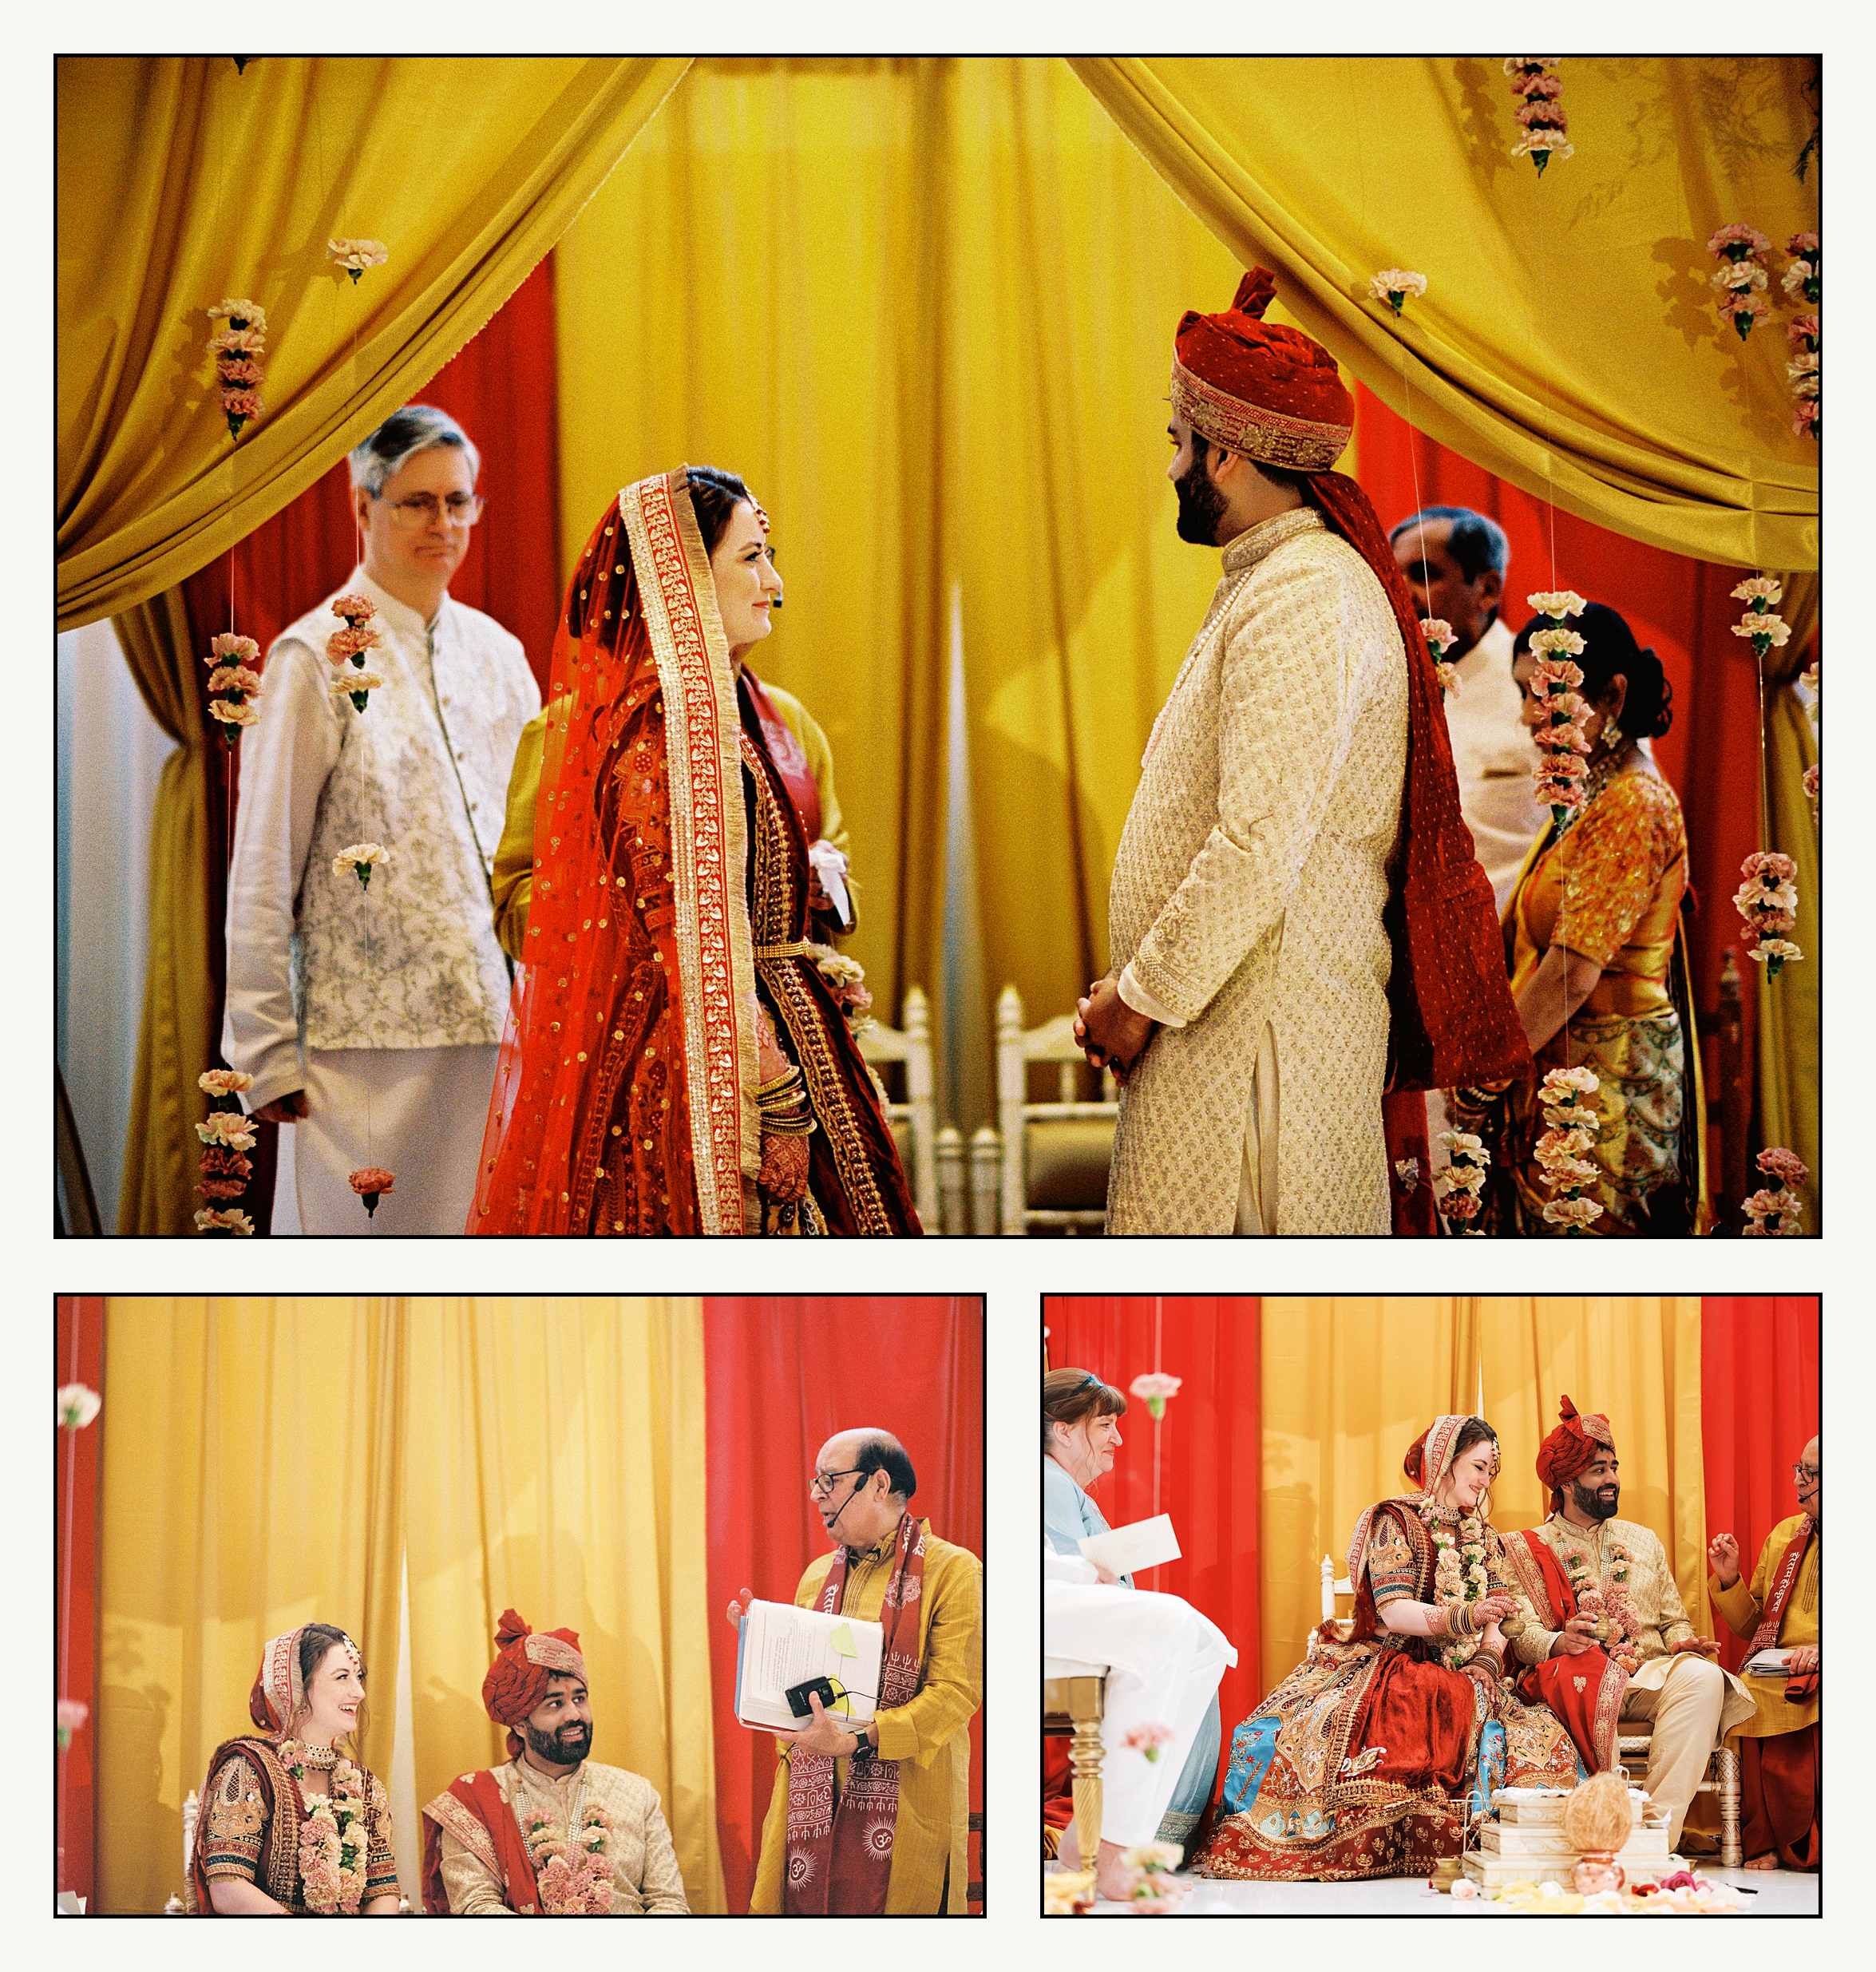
1727	1766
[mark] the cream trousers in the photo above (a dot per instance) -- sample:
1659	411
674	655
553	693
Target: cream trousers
1686	1714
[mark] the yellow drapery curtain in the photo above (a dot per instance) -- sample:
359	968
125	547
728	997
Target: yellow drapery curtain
174	1045
180	182
1637	1359
926	307
252	1480
1791	1040
1350	1381
273	1462
1568	340
558	1450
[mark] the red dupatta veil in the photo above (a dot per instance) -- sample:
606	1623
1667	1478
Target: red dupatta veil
624	1097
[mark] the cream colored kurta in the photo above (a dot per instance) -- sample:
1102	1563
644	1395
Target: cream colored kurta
646	1881
1247	895
1743	1606
1494	760
929	1736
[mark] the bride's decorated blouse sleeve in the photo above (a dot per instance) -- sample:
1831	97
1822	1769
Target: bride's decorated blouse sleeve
1392	1573
381	1859
234	1823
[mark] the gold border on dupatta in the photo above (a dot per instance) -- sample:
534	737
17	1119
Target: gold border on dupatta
466	1825
709	841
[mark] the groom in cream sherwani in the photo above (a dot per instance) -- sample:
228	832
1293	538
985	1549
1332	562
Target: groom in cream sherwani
1262	899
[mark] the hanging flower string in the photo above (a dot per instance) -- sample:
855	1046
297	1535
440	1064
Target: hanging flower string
1740	276
1541	117
1563	750
1804	371
1574	1130
227	1135
1458	1186
355	255
1804	278
349	644
237	351
1814	710
360	859
1767	900
1777	1214
233	685
1439	640
1393	284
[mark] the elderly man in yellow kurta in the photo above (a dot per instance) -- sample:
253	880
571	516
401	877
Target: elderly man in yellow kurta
1782	1802
1620	1586
873	1824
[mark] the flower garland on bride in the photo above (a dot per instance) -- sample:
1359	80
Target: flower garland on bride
331	1839
1459	1570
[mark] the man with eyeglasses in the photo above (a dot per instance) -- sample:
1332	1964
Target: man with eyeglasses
874	1822
1600	1592
1781	1805
370	1018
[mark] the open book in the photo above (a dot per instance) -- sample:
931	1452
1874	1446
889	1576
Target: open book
1140	1544
778	1645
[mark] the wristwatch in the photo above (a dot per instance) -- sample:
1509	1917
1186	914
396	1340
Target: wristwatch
863	1749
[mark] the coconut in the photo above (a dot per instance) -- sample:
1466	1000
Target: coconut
1597	1817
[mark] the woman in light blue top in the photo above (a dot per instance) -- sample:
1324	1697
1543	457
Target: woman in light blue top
1080	1434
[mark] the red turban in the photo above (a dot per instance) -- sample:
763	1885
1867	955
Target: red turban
517	1680
1570	1449
1271	392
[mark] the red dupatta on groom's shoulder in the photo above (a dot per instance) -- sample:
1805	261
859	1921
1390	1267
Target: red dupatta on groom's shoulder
1584	1691
624	1096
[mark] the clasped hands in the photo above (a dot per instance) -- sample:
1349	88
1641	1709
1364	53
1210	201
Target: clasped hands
1108	1031
826	1734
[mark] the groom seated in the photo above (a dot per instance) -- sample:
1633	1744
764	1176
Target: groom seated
552	1833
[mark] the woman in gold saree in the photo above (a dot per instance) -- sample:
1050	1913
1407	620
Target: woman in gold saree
1592	937
676	1058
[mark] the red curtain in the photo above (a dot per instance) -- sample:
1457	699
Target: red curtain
1710	757
782	1376
1210	1443
1759	1395
501	388
79	1342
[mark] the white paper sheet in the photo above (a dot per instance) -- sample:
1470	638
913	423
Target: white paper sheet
1142	1544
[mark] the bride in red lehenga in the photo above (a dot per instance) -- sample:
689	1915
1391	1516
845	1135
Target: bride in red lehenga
1366	1760
675	1061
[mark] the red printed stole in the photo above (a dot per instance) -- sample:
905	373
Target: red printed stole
475	1811
1584	1691
785	751
1802	1688
840	1858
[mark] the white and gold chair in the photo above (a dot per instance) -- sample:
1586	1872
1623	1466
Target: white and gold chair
1056	1155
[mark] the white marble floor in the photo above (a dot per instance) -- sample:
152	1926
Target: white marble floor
1780	1893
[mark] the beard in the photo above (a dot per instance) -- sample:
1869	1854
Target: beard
1589	1503
1202	506
555	1751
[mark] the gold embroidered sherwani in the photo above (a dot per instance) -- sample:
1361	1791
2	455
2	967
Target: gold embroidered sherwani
929	1736
1743	1606
1692	1702
1247	896
646	1882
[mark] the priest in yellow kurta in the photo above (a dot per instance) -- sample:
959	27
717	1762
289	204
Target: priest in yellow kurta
874	1822
1781	1800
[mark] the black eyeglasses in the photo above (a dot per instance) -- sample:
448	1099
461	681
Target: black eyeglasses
1803	1472
822	1484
